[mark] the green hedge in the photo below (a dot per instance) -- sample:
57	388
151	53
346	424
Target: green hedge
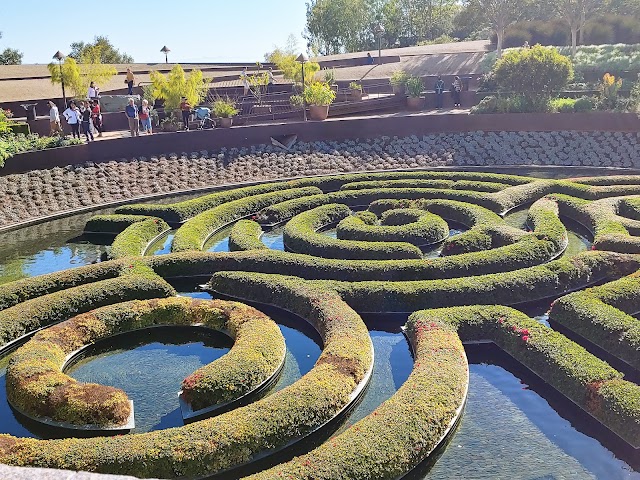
112	223
300	235
568	367
245	235
37	386
602	315
413	226
54	307
443	184
235	437
28	288
195	232
508	288
405	429
135	239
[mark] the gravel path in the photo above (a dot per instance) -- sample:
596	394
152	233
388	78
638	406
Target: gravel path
44	192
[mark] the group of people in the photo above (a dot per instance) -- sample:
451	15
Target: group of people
137	116
84	118
455	89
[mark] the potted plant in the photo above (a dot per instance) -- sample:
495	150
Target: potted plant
225	110
319	96
355	90
414	90
258	84
170	123
398	81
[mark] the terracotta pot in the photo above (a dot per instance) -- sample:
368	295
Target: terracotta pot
415	103
318	112
226	122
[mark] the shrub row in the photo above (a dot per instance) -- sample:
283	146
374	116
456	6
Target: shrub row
508	288
417	227
37	386
54	307
300	235
443	184
568	367
181	211
195	232
603	315
113	224
135	239
236	437
245	235
28	288
405	429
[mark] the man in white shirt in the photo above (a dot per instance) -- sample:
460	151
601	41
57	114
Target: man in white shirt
93	91
54	120
72	116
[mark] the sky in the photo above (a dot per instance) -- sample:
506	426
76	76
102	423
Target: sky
194	30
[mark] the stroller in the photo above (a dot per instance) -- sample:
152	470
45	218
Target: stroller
203	116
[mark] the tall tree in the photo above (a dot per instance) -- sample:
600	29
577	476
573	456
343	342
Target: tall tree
500	14
576	13
335	26
78	76
101	48
10	56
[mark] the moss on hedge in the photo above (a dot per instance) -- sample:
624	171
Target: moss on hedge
37	386
300	235
245	235
135	239
113	224
195	232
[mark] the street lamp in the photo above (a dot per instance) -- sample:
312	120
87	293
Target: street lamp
379	31
302	58
165	50
59	56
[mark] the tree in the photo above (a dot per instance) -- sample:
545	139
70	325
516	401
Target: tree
10	56
575	13
339	25
177	84
500	14
101	49
78	76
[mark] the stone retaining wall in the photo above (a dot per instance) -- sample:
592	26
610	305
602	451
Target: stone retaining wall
44	192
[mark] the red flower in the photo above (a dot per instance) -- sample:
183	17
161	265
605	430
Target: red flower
525	338
593	247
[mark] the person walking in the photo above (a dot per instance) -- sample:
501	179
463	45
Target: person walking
86	123
272	80
439	89
369	59
185	106
54	120
131	111
96	116
244	77
456	89
129	81
145	117
72	116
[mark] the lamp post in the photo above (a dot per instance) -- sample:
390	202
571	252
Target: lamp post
379	31
59	56
302	58
165	50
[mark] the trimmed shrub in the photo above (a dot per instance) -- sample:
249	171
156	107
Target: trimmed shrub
477	186
195	232
245	235
407	225
113	224
37	386
54	307
300	235
135	239
219	443
602	315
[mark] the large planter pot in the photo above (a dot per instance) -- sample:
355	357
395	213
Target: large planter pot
318	112
415	103
355	95
226	122
399	90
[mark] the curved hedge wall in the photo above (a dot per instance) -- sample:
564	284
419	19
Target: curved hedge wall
135	239
245	235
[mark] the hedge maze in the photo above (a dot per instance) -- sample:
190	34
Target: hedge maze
393	252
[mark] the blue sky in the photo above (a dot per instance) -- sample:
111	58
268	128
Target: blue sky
194	30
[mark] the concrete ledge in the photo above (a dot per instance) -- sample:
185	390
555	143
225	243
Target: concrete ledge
27	473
